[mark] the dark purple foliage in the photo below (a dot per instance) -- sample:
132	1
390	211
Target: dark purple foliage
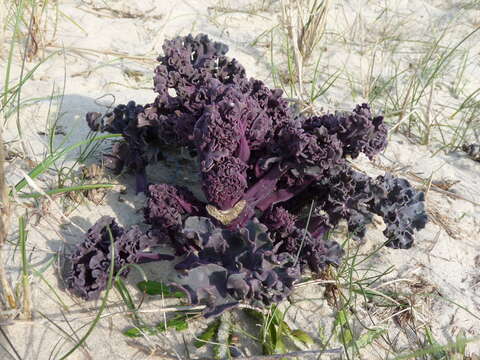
312	250
222	124
401	207
280	221
472	150
94	121
353	196
312	147
233	266
167	206
344	196
258	157
225	183
139	147
90	261
357	131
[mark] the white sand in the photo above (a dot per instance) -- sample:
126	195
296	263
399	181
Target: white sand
444	258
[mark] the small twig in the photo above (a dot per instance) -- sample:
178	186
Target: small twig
315	282
104	52
169	309
393	281
226	10
12	313
312	20
151	352
288	17
115	13
438	189
393	316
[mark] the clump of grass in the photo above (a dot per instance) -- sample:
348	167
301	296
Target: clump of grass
465	122
38	25
22	20
12	18
312	25
304	24
409	93
372	311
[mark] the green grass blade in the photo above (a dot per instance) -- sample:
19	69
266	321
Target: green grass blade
158	288
15	88
208	334
45	164
62	190
436	348
18	16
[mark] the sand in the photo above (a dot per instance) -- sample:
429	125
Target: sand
107	57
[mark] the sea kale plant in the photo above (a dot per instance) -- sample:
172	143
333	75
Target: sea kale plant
263	166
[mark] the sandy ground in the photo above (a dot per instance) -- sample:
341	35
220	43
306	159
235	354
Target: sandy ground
95	70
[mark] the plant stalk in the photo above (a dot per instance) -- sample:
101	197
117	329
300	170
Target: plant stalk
5	212
27	296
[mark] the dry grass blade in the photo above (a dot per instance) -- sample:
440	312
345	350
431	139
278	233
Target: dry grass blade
3	19
152	352
34	39
27	296
304	22
122	55
312	26
4	226
290	19
117	13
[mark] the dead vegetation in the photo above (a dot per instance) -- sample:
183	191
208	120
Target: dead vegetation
5	218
